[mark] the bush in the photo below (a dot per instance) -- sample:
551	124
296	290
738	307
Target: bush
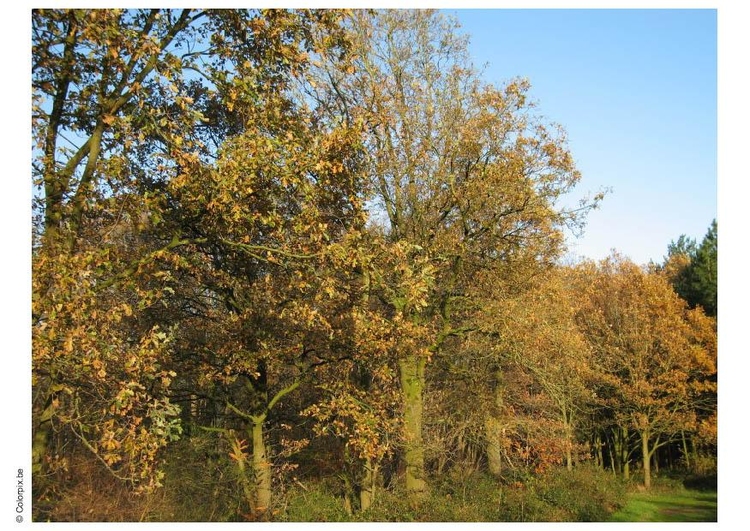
585	494
475	499
86	492
697	482
200	484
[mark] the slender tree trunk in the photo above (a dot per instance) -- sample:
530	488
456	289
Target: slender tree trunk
411	370
619	464
646	459
493	427
369	483
685	451
492	433
599	450
261	467
568	443
669	457
611	449
622	451
694	452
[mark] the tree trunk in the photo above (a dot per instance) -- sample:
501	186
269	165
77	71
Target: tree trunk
685	451
42	436
261	467
670	464
618	463
568	444
39	448
492	434
646	459
369	482
622	451
411	371
599	450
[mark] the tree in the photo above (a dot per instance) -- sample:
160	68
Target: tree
464	179
131	110
542	337
693	269
644	341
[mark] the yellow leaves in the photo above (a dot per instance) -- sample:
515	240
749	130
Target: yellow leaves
98	366
238	447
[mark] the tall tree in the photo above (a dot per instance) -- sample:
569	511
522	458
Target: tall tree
463	177
541	336
132	113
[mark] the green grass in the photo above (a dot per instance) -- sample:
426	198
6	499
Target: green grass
679	506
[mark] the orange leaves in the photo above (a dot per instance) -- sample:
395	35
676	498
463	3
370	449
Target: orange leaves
238	447
643	334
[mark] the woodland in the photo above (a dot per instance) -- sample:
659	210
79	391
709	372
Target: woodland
307	265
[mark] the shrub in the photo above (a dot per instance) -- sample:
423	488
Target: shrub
584	494
200	484
696	482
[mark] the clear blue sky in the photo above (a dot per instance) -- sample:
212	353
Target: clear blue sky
636	90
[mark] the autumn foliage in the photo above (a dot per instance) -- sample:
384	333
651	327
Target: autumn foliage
313	255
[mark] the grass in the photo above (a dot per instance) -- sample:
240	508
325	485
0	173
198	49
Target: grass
675	506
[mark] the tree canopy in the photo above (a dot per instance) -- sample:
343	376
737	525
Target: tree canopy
302	247
693	269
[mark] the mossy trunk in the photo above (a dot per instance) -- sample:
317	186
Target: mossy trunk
493	432
42	434
599	450
41	439
411	370
245	483
261	468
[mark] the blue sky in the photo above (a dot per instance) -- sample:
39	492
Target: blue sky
636	90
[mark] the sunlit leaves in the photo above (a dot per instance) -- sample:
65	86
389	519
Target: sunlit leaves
113	398
659	356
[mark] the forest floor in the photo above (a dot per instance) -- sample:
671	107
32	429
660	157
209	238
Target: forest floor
672	506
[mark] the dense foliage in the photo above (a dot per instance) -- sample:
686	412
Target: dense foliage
305	265
693	269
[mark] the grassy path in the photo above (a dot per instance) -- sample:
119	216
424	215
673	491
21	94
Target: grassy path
679	506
